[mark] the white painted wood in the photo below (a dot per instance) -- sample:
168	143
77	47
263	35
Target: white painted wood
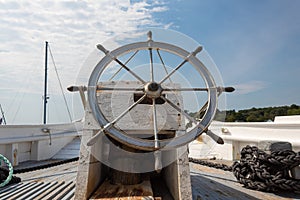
33	143
112	104
71	150
239	134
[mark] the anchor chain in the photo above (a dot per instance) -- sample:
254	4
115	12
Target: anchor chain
259	170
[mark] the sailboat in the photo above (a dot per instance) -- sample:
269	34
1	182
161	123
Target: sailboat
23	143
44	143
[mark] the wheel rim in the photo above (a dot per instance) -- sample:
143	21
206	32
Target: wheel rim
155	144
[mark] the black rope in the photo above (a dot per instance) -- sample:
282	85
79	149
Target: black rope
3	175
45	166
211	164
258	170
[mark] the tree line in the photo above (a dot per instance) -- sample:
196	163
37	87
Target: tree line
253	114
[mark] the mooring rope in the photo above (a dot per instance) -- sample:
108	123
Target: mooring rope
259	170
45	166
5	177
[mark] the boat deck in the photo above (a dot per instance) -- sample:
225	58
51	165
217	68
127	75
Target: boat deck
210	183
207	183
50	183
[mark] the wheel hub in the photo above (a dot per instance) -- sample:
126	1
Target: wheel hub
153	90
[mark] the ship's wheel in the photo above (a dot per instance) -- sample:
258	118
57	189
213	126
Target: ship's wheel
152	89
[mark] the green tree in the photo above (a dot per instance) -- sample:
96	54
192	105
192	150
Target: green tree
294	106
253	114
251	118
293	111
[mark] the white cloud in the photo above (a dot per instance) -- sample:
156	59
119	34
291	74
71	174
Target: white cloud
73	28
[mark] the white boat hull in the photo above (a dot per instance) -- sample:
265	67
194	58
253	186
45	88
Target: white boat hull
21	143
237	135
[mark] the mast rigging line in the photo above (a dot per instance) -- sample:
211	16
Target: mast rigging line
60	84
3	116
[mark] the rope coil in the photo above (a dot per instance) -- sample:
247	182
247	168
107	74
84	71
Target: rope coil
7	174
267	172
259	170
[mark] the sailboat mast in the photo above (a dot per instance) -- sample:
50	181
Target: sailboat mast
45	84
3	117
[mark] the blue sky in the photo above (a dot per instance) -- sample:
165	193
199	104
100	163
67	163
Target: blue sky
254	43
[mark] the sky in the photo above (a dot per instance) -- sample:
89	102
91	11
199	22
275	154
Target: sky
255	44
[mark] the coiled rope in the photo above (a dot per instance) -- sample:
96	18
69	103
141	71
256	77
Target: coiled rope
259	170
267	172
5	177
